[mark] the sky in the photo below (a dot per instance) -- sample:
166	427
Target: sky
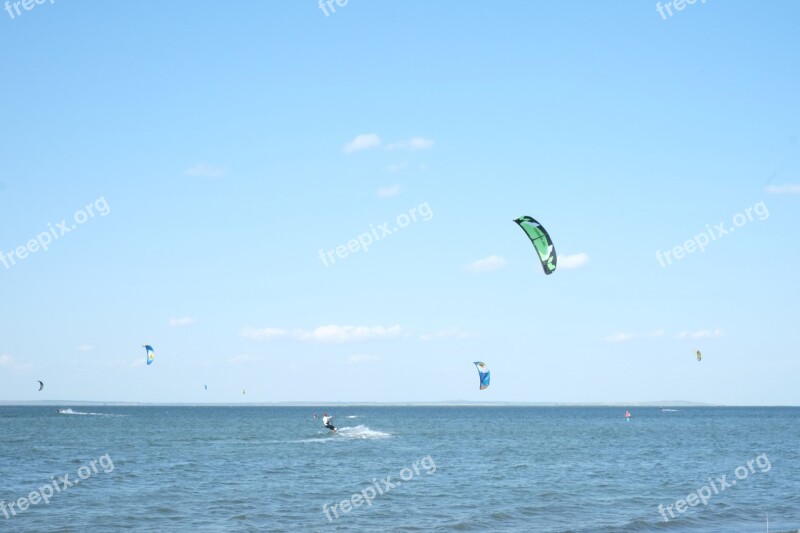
190	176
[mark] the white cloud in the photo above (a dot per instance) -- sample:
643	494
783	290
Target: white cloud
85	348
204	170
700	334
361	358
660	333
619	337
789	188
265	334
244	358
362	142
178	322
420	143
330	333
414	143
388	192
486	264
451	333
8	361
397	166
707	334
572	261
334	333
109	363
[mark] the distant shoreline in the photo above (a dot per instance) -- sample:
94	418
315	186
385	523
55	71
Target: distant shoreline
455	403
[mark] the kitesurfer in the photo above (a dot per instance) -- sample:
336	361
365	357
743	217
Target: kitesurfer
326	420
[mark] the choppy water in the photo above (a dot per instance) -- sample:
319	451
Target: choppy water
466	469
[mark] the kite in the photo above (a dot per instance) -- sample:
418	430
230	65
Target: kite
150	353
41	385
541	242
699	355
483	371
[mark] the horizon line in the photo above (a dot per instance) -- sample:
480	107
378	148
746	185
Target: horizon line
444	403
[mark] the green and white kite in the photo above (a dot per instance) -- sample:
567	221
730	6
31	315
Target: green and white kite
541	242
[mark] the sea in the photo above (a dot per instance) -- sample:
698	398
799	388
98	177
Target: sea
399	468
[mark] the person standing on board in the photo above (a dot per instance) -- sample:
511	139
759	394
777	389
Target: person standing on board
326	420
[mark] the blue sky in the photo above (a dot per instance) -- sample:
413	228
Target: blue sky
222	147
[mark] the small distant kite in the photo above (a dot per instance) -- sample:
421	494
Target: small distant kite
483	372
699	355
541	242
150	353
206	387
41	385
243	391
